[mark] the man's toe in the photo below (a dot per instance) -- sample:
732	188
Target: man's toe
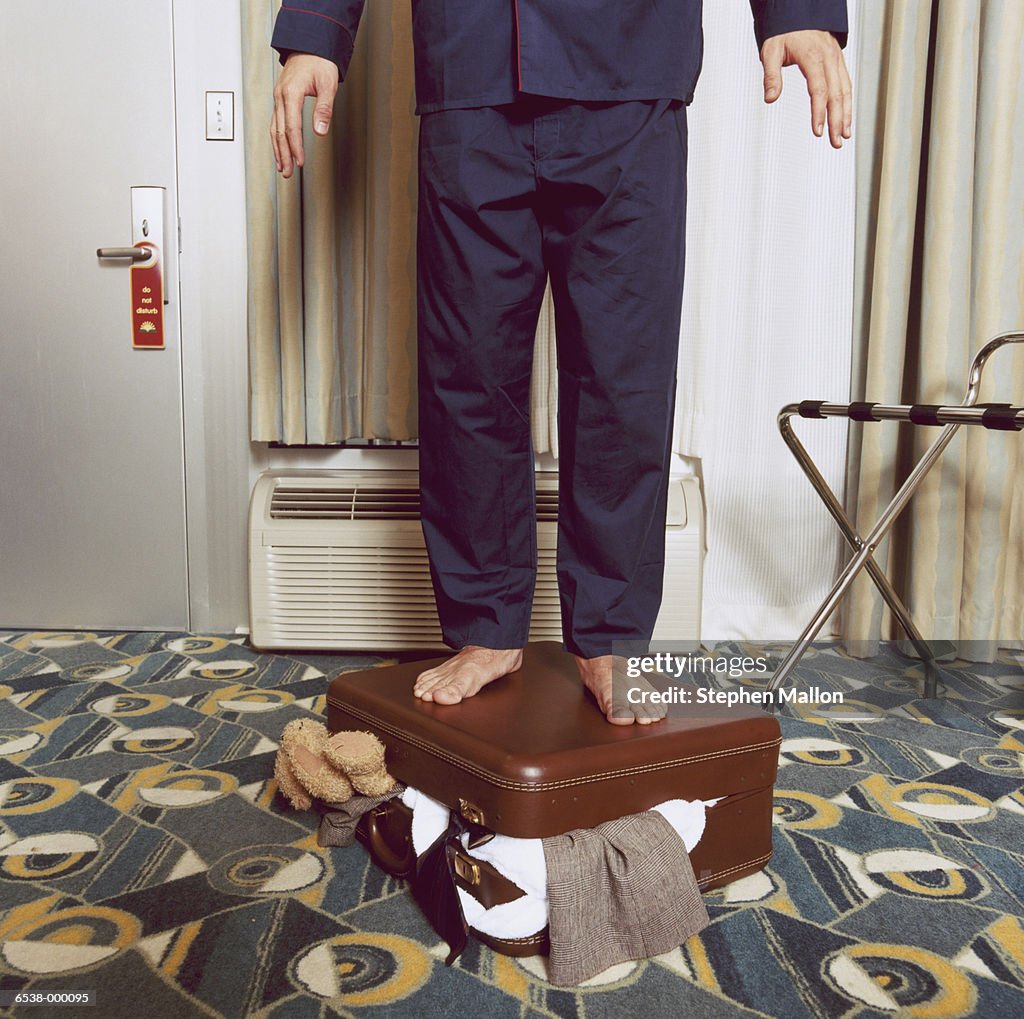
429	680
449	693
652	713
620	713
621	717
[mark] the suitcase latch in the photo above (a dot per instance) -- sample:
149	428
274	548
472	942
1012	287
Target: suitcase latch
470	812
466	869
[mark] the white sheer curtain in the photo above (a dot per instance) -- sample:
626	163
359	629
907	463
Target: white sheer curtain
767	316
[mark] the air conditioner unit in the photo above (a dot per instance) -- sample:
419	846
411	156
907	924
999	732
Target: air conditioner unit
337	561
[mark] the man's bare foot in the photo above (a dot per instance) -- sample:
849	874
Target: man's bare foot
466	673
596	674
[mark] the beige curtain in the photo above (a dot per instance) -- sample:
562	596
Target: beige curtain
331	251
332	309
940	269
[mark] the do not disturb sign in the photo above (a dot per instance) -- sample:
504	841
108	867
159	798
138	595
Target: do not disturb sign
147	302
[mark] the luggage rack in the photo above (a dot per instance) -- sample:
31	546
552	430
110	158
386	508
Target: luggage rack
1001	417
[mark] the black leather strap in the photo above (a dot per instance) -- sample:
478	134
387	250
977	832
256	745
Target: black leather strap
862	411
433	888
810	408
925	414
1002	417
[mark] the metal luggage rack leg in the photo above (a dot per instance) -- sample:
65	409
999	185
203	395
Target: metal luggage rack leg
1002	417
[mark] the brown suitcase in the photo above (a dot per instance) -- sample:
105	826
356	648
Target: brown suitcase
532	756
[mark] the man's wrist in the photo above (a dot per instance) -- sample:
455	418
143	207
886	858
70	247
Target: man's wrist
296	32
779	17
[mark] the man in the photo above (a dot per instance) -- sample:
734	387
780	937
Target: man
552	145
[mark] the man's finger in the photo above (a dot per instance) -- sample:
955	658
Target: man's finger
847	89
321	119
817	89
835	104
293	100
273	142
771	58
324	109
280	131
280	142
273	135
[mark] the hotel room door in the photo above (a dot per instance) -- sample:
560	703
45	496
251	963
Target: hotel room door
92	507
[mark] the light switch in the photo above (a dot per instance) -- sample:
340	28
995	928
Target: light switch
220	116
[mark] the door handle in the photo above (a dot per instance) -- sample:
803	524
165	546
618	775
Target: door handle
147	233
140	254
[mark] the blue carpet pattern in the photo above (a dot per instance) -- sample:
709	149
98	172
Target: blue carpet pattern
146	854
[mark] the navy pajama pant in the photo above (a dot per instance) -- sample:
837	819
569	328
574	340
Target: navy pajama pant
593	196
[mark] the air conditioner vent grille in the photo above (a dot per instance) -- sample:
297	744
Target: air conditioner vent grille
368	503
352	503
547	506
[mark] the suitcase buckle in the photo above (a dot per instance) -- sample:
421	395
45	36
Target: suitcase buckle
471	813
466	869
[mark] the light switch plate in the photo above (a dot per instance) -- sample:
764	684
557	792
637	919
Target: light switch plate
220	116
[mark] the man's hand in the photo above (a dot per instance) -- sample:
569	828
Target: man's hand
304	75
821	62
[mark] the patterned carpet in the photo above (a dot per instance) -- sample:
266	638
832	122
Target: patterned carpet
145	854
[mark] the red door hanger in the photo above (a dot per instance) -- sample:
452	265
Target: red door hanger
147	302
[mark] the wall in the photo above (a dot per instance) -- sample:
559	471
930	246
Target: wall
213	302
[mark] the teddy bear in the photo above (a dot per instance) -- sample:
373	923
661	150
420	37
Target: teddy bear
310	764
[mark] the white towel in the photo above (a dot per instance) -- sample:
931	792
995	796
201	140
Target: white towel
688	817
429	819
